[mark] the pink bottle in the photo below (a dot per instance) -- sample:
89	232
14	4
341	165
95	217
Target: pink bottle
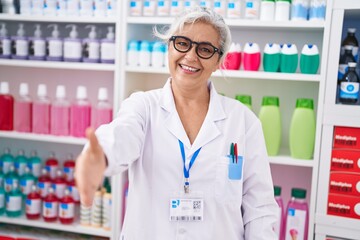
297	219
41	112
233	58
279	226
23	110
252	57
103	110
80	113
60	113
6	108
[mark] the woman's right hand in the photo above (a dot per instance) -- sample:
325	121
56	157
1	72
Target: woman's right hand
89	170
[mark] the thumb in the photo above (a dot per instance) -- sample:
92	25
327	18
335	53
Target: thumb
93	141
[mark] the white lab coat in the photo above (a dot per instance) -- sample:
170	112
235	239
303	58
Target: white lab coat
144	139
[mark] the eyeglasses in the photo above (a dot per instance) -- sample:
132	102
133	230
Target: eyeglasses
204	50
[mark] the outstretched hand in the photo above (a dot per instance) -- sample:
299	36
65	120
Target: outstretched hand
89	170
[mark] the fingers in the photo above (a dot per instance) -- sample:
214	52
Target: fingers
90	135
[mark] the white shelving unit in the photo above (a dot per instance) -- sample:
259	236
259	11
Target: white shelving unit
345	13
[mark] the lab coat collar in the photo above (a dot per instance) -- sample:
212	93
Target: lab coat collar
209	130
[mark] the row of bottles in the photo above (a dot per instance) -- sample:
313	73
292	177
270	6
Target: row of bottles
302	125
71	8
58	117
265	10
54	48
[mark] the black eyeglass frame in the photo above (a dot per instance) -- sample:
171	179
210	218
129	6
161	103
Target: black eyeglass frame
216	50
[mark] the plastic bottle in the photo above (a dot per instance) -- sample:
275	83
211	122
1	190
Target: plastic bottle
54	45
44	183
20	162
2	176
91	46
27	180
349	86
60	113
2	200
50	7
74	190
34	164
7	108
103	110
69	168
271	62
41	111
252	57
233	57
73	8
309	59
190	4
85	215
23	110
149	8
302	129
96	209
317	10
297	219
10	179
244	99
133	53
158	54
37	45
72	45
52	165
206	3
145	54
100	7
37	7
25	7
50	207
20	43
289	58
176	7
351	40
234	9
278	227
299	10
5	42
59	185
282	10
7	160
135	8
220	7
344	60
33	204
267	10
86	8
13	201
107	206
66	208
270	118
80	113
107	47
111	8
252	9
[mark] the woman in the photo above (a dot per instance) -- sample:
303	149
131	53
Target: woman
197	162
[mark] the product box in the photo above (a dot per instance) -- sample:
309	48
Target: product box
345	160
346	137
343	206
345	183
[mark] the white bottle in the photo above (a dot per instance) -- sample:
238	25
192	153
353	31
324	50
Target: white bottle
299	10
50	7
61	9
252	9
72	45
190	4
267	10
317	10
206	3
91	46
133	52
5	42
21	44
107	47
111	8
37	7
234	9
73	8
25	7
145	54
282	10
177	6
100	8
163	8
149	8
135	8
158	55
37	45
220	7
55	45
86	8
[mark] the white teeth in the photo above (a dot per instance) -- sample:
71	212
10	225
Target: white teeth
189	68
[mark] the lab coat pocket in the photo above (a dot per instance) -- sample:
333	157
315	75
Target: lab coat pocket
228	184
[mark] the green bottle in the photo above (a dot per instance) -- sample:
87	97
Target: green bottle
244	99
271	57
14	201
11	178
270	118
289	58
302	129
26	182
2	200
7	160
2	178
34	164
20	162
309	59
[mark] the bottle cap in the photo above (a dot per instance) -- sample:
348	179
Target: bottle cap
24	89
41	91
277	190
37	32
81	92
3	30
289	49
21	31
352	64
298	193
73	32
270	101
4	88
145	46
351	30
251	48
60	91
304	103
102	94
158	47
310	49
55	33
246	99
92	33
272	48
134	45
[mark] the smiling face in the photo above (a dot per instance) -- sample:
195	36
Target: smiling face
188	69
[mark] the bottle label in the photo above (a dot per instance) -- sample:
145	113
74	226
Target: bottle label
69	173
50	209
72	49
13	203
295	224
149	8
22	47
35	169
163	8
107	51
2	200
44	188
94	50
52	171
74	193
234	9
343	68
39	48
349	90
59	190
25	185
33	206
66	210
20	168
55	48
5	47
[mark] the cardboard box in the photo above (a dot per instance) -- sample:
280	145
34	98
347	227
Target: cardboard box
346	137
343	206
344	183
345	160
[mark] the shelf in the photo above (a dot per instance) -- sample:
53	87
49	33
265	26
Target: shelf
58	65
57	19
238	74
338	226
342	115
75	228
289	161
42	138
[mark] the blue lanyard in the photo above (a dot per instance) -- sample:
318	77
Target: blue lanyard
187	171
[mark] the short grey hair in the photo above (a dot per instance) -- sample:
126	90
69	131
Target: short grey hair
199	14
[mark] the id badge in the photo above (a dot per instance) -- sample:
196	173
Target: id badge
187	207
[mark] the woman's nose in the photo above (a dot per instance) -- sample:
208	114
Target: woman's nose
191	55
